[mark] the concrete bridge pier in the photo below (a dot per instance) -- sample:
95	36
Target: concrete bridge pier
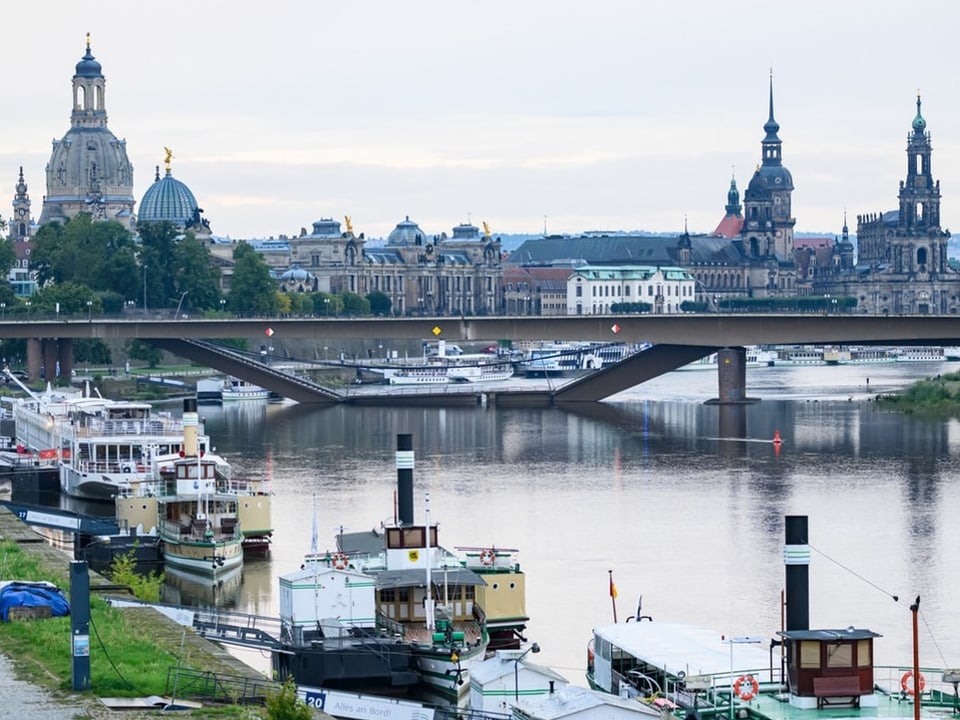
732	377
49	353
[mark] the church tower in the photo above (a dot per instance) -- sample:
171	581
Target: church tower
768	223
20	229
89	171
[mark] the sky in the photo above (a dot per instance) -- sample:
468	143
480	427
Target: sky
569	116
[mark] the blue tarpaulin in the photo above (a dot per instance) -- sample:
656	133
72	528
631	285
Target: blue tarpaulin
32	594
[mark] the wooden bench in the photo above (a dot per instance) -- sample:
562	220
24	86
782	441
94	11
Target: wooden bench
825	689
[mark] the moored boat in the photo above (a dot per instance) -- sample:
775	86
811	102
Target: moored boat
802	673
238	389
440	603
102	447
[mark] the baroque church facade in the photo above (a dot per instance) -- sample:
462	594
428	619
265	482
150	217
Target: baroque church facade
89	171
901	262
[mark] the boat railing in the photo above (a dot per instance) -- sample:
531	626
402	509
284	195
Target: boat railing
939	686
114	428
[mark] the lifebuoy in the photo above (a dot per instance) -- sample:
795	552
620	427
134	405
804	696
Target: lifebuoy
340	561
746	687
488	557
906	682
126	468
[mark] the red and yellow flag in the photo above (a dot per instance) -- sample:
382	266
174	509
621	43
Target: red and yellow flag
613	589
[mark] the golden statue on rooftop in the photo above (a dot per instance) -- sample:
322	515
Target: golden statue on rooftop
486	229
349	223
168	157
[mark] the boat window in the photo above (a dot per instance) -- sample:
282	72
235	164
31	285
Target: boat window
840	655
387	596
864	653
809	654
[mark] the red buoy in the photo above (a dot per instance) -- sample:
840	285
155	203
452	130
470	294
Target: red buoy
776	437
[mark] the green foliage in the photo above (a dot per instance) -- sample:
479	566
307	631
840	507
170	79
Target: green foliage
8	256
697	307
800	303
355	305
141	350
631	307
195	274
99	255
380	303
285	705
123	570
91	351
327	304
66	298
939	396
252	290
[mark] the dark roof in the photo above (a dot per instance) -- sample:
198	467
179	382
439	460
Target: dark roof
850	633
571	251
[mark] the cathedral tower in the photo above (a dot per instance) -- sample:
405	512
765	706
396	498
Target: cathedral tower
768	223
89	171
20	225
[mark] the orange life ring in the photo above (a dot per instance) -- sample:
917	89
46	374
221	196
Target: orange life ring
488	557
340	561
750	691
906	682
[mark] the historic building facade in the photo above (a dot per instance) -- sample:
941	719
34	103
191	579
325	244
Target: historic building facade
901	261
594	290
89	171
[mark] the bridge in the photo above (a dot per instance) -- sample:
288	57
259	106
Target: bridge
677	340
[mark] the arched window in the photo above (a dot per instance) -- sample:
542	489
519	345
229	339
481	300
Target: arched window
922	256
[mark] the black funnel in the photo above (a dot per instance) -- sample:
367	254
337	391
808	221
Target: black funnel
796	560
405	479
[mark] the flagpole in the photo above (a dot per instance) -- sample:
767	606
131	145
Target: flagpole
613	596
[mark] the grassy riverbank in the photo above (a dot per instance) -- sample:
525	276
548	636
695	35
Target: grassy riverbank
131	651
936	396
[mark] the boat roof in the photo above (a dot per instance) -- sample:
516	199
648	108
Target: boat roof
850	633
676	647
572	700
415	577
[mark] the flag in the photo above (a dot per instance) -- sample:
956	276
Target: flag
613	588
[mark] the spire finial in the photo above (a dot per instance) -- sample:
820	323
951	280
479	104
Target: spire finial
88	42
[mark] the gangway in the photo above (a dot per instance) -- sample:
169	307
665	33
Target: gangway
57	519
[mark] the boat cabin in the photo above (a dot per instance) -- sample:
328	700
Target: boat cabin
830	667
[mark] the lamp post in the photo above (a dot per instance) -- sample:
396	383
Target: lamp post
179	304
223	304
534	648
3	311
326	307
28	308
744	640
89	310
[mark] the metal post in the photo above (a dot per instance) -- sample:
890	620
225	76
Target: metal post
80	624
915	609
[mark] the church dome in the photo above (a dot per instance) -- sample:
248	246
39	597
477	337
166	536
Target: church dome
296	274
88	67
168	199
406	233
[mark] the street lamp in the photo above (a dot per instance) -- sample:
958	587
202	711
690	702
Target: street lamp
743	640
3	311
534	648
89	310
179	304
223	304
326	307
28	308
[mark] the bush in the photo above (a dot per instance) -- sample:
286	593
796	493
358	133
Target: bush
123	570
285	705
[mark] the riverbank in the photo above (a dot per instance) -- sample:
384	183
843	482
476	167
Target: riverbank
36	659
937	396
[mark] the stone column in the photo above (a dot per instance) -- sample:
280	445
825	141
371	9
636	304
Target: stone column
65	356
50	360
34	358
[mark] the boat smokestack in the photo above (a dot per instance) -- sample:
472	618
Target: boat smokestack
191	422
796	560
405	478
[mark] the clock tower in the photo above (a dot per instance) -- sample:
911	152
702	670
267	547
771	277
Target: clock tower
20	225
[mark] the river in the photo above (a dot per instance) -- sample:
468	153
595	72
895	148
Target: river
644	487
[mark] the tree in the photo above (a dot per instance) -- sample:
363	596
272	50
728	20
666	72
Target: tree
66	298
380	303
141	350
252	290
355	305
101	255
8	255
196	274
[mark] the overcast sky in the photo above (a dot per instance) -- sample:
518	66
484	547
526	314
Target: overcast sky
598	115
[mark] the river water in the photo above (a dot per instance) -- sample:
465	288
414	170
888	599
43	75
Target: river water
648	485
643	486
